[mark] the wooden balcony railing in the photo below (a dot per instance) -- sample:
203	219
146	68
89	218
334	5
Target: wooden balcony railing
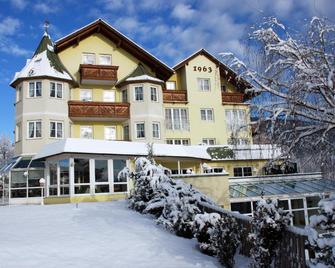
98	110
232	97
98	74
175	96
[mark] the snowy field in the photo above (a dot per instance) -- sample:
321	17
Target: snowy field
92	235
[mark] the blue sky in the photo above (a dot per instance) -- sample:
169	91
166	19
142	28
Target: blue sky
171	30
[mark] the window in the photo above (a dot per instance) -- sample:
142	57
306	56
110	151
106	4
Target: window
35	89
238	141
242	171
178	141
18	93
81	176
170	85
126	133
209	141
203	84
124	96
105	59
34	129
56	129
18	133
101	176
153	94
139	93
86	94
156	133
56	90
236	119
86	132
177	119
120	184
109	96
88	58
110	133
140	131
207	114
61	186
214	170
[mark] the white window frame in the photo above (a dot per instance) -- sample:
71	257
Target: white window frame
18	132
88	54
34	89
109	127
57	123
242	167
201	84
179	141
183	126
236	119
137	87
206	141
159	130
88	127
169	86
136	130
155	95
207	111
112	92
105	55
34	122
56	90
90	91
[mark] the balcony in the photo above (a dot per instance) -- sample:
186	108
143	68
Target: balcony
98	111
232	97
98	74
175	96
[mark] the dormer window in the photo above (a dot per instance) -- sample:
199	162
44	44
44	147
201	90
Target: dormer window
105	59
88	58
35	89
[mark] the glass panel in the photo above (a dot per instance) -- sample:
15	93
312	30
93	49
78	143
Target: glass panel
170	85
312	212
110	133
34	177
31	89
118	165
242	207
298	218
109	96
120	187
81	171
34	192
38	89
102	188
237	172
64	176
283	204
52	129
297	203
176	119
38	129
105	59
312	201
64	190
247	171
19	193
59	130
31	129
101	170
52	190
59	91
18	180
82	189
52	89
53	173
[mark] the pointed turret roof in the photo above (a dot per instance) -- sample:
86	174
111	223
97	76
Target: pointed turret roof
44	63
139	74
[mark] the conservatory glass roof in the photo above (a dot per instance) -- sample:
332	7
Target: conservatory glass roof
279	187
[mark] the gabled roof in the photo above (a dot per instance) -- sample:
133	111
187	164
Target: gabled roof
100	26
140	74
225	71
44	63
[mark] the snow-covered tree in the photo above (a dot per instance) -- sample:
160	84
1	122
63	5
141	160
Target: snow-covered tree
321	234
6	149
295	84
204	227
268	223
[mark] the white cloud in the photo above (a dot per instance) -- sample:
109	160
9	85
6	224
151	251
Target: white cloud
47	7
8	26
183	12
19	4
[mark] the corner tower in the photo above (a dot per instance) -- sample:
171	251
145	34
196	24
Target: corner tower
42	92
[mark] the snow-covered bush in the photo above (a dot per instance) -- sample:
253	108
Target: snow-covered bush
203	228
226	239
174	203
268	224
323	244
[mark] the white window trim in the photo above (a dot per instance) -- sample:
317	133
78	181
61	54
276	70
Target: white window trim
109	91
37	81
156	90
138	123
206	114
87	90
106	55
88	53
34	121
182	127
56	128
62	84
105	127
200	88
159	130
134	87
81	127
207	141
181	141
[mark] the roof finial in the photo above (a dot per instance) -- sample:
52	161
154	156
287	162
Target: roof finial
46	27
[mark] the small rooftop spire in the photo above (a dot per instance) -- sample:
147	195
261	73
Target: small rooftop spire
46	27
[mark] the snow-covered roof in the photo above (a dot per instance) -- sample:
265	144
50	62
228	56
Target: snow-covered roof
90	146
44	63
144	77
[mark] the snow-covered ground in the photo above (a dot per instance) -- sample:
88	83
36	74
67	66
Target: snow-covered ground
92	235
